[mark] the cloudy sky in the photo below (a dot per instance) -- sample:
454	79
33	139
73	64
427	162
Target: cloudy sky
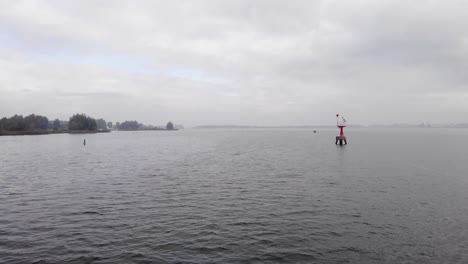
236	62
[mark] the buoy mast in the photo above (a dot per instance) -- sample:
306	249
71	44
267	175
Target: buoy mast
341	124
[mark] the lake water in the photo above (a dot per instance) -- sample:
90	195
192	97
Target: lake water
236	196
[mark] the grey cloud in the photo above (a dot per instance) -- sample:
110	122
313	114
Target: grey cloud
289	62
91	94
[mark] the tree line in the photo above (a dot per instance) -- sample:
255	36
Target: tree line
77	122
20	123
37	122
135	125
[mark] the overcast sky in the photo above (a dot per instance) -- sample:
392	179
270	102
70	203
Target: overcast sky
236	62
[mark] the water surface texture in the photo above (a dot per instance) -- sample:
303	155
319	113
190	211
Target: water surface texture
235	196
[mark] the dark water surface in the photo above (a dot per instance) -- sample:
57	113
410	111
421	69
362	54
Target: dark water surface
235	196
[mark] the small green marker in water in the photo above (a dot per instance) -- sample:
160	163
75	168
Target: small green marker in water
84	142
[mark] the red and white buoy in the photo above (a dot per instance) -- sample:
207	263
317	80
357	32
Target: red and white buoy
341	124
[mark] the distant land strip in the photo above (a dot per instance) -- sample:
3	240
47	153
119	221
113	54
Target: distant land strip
239	126
422	125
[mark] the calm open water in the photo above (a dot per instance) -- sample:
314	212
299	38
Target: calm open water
236	196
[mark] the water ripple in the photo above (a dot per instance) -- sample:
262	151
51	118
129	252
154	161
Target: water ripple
255	196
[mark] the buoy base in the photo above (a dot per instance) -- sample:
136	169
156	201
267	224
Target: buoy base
340	139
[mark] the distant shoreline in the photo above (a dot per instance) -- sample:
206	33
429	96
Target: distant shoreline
330	126
155	129
49	132
259	127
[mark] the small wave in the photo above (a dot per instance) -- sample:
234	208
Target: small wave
247	224
15	193
210	250
86	259
40	261
86	213
287	257
345	249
